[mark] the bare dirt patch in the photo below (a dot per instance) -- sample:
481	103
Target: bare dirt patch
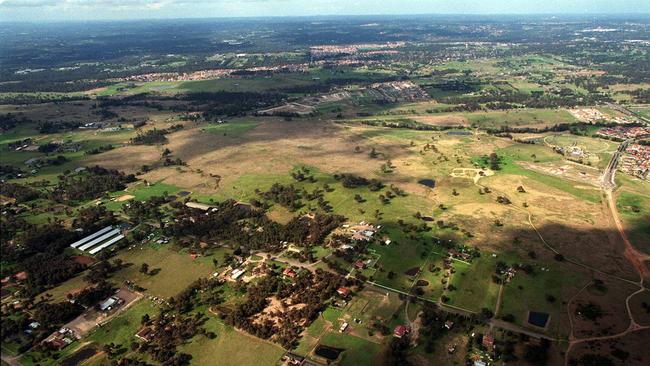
640	307
608	302
446	120
125	197
634	347
85	322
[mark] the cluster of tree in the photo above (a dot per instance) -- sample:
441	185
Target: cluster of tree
305	229
32	98
407	124
90	184
21	193
49	147
104	113
103	270
11	120
54	315
248	228
11	225
202	292
8	171
500	99
48	126
56	161
93	218
590	311
313	290
354	181
172	329
171	162
641	96
225	103
287	196
99	149
303	175
45	270
51	86
148	210
92	295
154	136
579	128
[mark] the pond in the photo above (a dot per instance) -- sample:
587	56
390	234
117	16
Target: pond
80	356
428	182
538	319
329	353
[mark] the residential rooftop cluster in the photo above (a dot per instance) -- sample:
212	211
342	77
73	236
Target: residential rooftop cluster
624	133
636	161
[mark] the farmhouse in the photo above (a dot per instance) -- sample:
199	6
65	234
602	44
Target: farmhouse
61	338
401	330
363	232
488	341
145	333
343	291
289	272
460	255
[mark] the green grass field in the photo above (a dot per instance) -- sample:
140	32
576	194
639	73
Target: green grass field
634	209
519	118
591	145
358	351
121	330
542	154
230	347
177	269
474	286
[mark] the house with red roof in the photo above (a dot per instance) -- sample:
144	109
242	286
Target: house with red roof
401	330
343	291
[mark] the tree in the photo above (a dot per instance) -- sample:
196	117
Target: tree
144	268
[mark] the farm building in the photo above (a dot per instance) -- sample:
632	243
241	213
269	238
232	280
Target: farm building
237	273
110	303
488	341
145	333
343	327
199	206
401	330
99	240
288	272
343	291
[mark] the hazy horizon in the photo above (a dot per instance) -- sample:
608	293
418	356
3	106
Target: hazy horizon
112	10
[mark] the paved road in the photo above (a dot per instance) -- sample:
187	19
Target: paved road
627	111
607	179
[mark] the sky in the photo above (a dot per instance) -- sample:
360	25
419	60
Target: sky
55	10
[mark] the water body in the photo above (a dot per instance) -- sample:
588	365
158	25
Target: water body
538	319
431	183
329	353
